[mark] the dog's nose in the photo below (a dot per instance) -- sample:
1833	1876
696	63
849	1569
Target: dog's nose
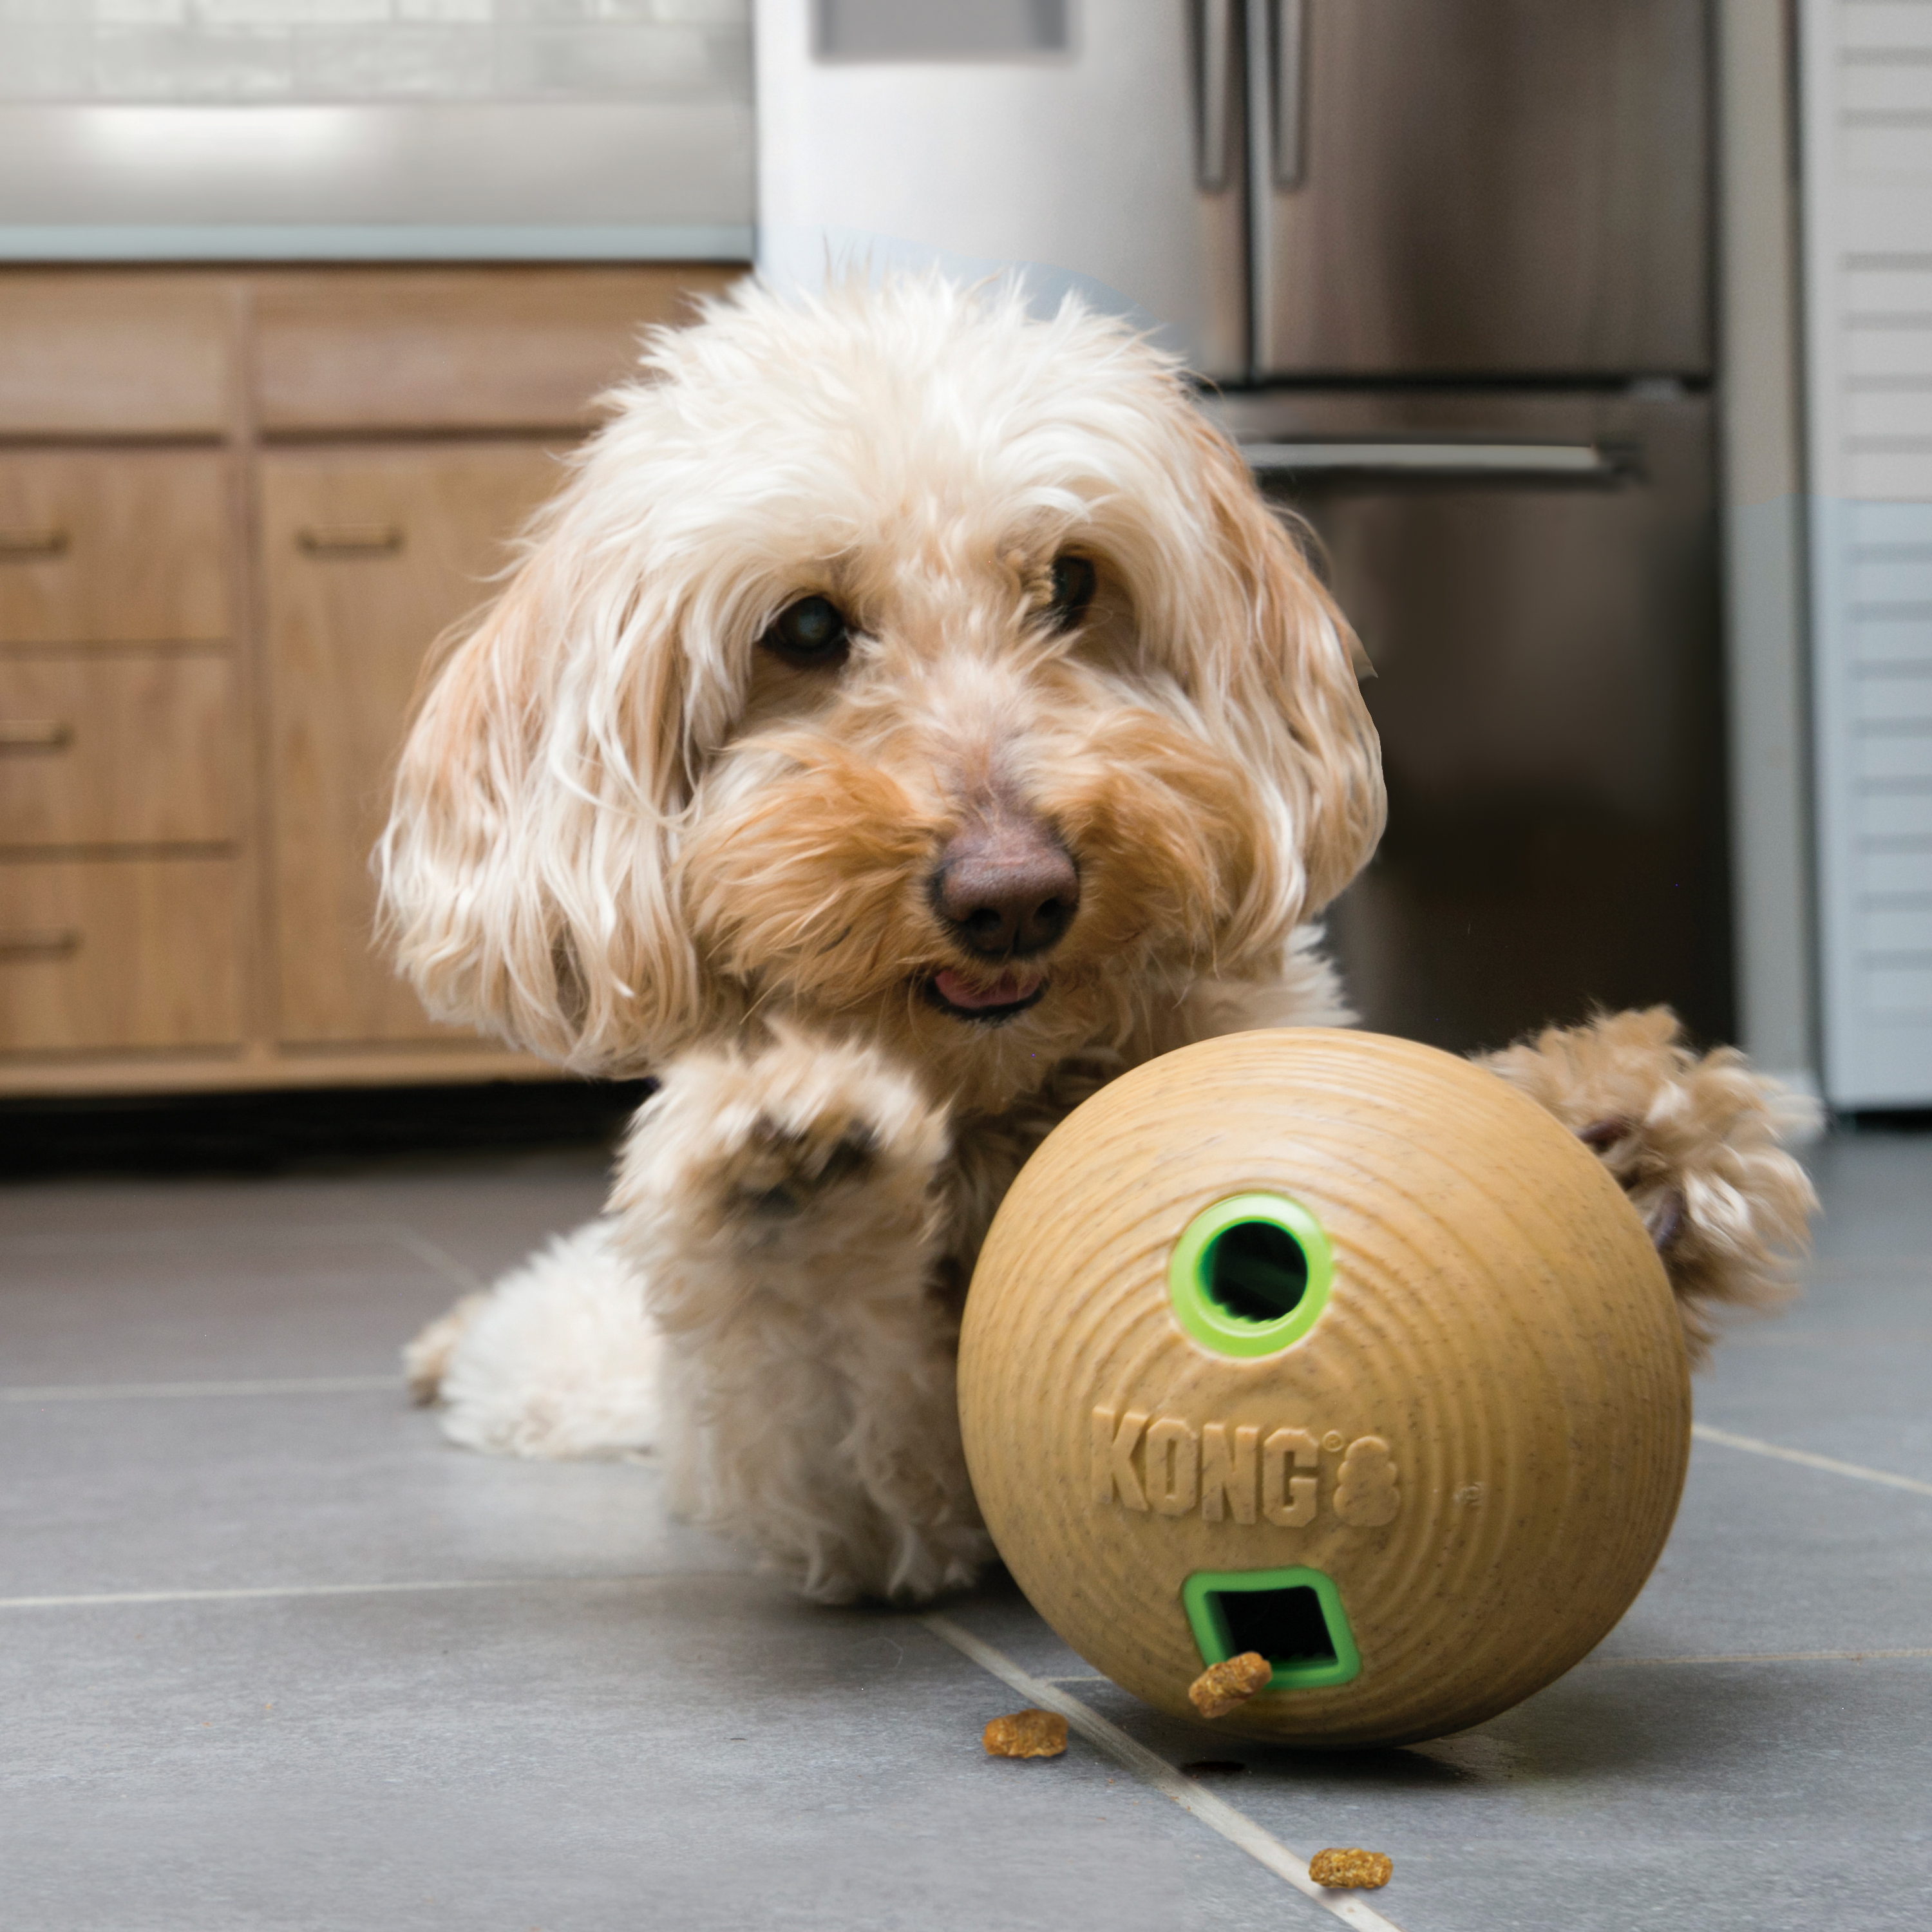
1007	887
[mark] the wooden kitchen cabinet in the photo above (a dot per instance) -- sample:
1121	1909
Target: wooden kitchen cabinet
123	748
100	548
367	557
237	509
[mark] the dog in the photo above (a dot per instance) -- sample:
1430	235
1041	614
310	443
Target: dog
908	716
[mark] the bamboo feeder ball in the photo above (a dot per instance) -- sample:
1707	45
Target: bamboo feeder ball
1333	1347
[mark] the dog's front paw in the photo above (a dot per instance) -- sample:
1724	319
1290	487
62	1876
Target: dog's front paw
1695	1140
783	1165
780	1149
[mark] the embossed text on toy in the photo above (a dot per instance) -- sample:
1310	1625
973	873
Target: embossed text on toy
1236	1474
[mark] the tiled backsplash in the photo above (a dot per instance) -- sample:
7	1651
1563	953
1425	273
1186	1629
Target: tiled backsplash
267	51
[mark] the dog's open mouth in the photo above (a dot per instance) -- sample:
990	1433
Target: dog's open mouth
1010	994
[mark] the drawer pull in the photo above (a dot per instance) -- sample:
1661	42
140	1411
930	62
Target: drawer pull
35	734
350	539
24	546
55	945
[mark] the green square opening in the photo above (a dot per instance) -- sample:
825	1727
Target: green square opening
1294	1617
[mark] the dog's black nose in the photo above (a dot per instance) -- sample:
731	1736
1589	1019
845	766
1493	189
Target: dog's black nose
1007	887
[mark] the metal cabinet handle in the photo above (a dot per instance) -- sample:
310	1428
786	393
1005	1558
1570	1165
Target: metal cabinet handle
62	944
350	539
1576	462
24	546
1216	29
35	734
1289	157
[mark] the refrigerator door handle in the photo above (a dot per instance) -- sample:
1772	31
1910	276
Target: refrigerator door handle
1217	75
1290	91
1585	463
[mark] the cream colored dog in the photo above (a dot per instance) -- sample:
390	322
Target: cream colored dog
909	716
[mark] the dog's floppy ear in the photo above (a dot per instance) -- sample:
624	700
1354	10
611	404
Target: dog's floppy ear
1275	667
525	869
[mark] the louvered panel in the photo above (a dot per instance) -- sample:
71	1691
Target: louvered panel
1893	749
1882	26
1889	573
1892	874
1867	88
1903	699
1900	989
1898	923
1880	813
1874	637
1892	412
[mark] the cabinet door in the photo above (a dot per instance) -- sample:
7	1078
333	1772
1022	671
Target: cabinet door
368	556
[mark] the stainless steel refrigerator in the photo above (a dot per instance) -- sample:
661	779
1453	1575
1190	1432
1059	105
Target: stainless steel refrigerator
1444	267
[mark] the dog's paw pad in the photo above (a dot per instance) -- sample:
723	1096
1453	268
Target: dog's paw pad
782	1169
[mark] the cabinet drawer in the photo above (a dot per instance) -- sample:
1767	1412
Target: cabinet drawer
131	353
117	751
122	547
496	349
118	953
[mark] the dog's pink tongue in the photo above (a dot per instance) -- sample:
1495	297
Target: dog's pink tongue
1002	992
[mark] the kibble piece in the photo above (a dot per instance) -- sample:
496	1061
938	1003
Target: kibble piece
1358	1870
1233	1681
1026	1734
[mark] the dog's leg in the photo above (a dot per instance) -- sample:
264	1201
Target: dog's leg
557	1359
1695	1140
781	1206
426	1356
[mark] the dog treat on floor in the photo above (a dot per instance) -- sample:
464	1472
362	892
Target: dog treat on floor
1353	1869
1223	1686
1026	1734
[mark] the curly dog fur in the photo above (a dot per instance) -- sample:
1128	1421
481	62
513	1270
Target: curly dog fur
908	716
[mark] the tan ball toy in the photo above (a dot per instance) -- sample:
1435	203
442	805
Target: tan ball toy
1335	1348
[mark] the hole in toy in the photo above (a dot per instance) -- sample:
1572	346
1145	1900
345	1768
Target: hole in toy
1287	1627
1250	1274
1293	1616
1255	1271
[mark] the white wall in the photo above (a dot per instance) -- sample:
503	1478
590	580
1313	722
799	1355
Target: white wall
1759	364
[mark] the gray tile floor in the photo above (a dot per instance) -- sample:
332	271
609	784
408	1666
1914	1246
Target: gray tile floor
275	1656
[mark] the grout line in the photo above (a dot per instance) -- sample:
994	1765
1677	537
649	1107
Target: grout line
268	1592
445	1263
1215	1813
1758	1656
1827	1338
189	1240
150	1391
1705	1433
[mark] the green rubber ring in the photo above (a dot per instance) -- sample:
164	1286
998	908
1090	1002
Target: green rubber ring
1190	1276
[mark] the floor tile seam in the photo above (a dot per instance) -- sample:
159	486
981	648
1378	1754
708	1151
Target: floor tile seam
189	1240
59	1392
1758	1656
1236	1826
1806	1459
438	1258
1831	1338
292	1592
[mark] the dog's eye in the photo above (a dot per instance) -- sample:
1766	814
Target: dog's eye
1072	590
810	632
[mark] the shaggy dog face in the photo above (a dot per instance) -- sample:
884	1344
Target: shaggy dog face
898	665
